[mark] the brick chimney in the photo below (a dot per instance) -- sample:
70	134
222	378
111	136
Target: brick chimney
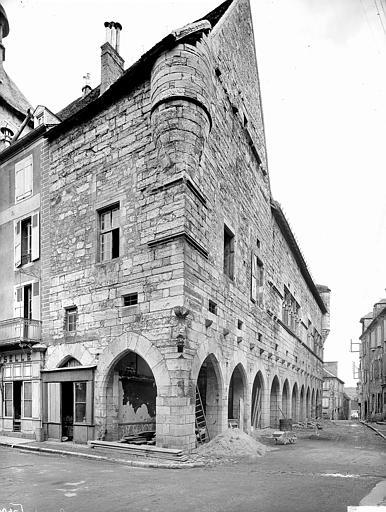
111	61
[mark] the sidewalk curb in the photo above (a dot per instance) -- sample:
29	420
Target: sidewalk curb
373	428
133	463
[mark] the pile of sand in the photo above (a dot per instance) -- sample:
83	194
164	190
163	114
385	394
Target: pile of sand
233	443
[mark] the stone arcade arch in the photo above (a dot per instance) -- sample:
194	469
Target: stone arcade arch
302	412
313	405
294	403
131	393
107	386
275	403
237	396
257	407
210	385
285	401
318	405
308	403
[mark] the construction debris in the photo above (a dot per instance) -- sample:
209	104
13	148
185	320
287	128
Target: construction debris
284	437
232	443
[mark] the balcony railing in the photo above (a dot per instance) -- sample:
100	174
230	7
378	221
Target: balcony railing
20	330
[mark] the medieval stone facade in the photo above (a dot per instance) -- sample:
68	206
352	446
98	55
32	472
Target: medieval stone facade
170	278
372	366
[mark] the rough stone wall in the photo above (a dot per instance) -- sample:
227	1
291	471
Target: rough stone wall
180	154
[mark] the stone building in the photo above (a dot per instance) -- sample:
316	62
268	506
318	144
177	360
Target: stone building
372	364
170	278
335	406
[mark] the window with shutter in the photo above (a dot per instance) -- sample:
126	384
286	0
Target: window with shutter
17	244
35	237
23	179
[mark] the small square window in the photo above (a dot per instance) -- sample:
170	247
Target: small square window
212	307
71	319
130	299
239	324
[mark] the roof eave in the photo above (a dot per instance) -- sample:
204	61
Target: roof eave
21	143
289	236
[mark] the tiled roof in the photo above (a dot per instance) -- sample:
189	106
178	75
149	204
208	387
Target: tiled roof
11	94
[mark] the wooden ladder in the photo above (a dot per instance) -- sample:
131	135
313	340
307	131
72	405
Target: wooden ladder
202	433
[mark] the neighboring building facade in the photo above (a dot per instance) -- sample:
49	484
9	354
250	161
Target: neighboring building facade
372	367
169	275
352	394
335	402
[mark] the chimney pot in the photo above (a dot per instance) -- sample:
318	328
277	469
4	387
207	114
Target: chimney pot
111	61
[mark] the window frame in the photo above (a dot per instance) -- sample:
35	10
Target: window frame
80	402
71	313
109	237
27	384
8	385
129	296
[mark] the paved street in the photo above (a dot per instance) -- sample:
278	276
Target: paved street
326	474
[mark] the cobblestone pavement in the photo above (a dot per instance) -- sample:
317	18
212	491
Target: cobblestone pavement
337	468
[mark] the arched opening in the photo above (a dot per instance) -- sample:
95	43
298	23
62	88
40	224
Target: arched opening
69	362
302	413
308	404
313	406
257	401
236	398
274	403
318	407
285	400
294	404
130	399
208	400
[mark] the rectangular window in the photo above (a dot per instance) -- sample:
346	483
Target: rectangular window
71	318
109	233
212	307
229	251
290	311
131	299
23	179
80	401
27	399
257	280
8	399
26	239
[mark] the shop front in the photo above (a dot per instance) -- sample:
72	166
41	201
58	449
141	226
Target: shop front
68	396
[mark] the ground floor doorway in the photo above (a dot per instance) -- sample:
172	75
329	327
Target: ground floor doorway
67	410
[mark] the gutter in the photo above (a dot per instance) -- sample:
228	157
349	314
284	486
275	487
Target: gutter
22	143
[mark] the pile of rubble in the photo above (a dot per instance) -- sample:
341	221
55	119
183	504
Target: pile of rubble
231	444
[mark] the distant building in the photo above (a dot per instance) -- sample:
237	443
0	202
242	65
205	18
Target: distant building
333	402
352	393
372	383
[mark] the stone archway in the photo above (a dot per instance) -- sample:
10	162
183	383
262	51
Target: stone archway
313	405
294	403
131	393
237	396
209	388
285	401
308	404
275	403
257	407
107	394
318	407
302	411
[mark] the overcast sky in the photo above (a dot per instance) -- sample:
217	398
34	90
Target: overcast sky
322	66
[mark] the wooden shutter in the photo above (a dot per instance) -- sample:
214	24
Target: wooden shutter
35	237
28	177
53	398
18	302
36	300
19	180
17	243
